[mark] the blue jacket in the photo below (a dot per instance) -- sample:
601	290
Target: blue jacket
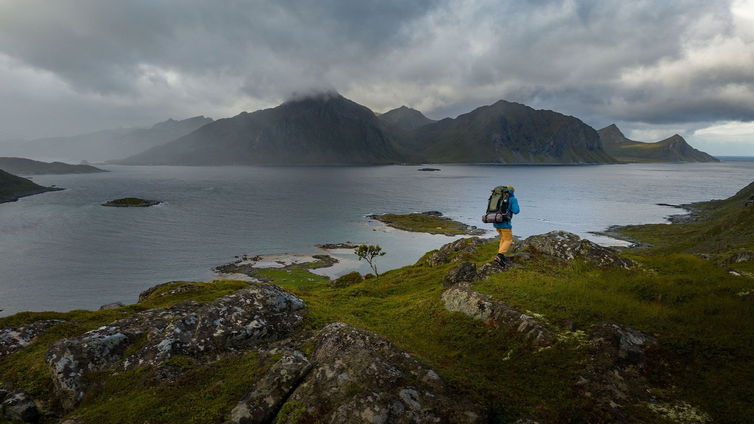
512	209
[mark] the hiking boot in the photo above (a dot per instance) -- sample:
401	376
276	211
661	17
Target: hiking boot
500	259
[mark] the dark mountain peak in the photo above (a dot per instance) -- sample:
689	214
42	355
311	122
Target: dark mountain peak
676	138
406	118
322	96
611	134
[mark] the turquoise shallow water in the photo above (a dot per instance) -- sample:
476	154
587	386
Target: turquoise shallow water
62	250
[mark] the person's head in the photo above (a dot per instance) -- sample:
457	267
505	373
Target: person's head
509	190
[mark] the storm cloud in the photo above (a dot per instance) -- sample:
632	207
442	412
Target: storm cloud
71	66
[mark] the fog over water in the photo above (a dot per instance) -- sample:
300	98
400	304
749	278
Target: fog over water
62	250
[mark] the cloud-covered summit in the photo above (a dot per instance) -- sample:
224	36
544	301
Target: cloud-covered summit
78	65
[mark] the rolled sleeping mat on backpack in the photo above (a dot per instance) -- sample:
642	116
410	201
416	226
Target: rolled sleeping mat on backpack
495	218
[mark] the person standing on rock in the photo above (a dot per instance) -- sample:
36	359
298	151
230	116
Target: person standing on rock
505	229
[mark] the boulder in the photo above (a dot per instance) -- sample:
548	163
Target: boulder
490	268
114	305
463	273
614	370
452	252
739	257
360	377
19	406
263	402
16	338
259	313
461	298
568	246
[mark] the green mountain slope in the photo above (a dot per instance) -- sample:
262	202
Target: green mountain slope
405	118
507	132
323	129
672	149
32	167
13	187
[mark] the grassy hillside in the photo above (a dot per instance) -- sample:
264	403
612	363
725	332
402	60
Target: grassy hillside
680	294
13	187
671	149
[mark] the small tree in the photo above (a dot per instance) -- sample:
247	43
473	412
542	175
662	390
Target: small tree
369	253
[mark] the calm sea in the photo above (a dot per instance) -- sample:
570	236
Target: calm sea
62	250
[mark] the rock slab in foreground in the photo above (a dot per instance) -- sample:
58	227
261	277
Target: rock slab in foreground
360	377
259	313
461	298
568	246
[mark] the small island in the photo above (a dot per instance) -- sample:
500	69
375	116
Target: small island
131	202
428	169
431	222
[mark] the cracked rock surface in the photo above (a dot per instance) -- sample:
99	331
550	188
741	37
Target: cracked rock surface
16	338
461	298
568	246
259	313
360	377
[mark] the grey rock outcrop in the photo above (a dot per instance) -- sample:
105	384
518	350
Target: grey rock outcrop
263	402
19	406
455	251
461	298
114	305
360	377
464	273
739	257
568	246
259	313
614	371
16	338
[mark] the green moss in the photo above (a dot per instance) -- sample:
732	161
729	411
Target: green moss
347	280
425	223
202	394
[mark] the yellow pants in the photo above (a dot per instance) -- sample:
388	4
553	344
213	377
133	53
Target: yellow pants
506	239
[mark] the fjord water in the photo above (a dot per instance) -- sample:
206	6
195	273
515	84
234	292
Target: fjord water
62	250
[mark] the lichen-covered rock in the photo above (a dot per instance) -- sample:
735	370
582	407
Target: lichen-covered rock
360	377
739	257
456	251
19	406
114	305
490	268
613	374
568	246
262	403
261	312
461	298
70	359
16	338
463	273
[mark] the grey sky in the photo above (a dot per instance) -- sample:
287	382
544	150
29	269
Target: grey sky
654	67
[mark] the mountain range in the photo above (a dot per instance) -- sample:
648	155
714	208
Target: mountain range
671	149
330	129
103	145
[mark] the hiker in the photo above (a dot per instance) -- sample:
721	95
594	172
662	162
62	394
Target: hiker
504	228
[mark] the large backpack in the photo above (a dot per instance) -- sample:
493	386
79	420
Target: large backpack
497	206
